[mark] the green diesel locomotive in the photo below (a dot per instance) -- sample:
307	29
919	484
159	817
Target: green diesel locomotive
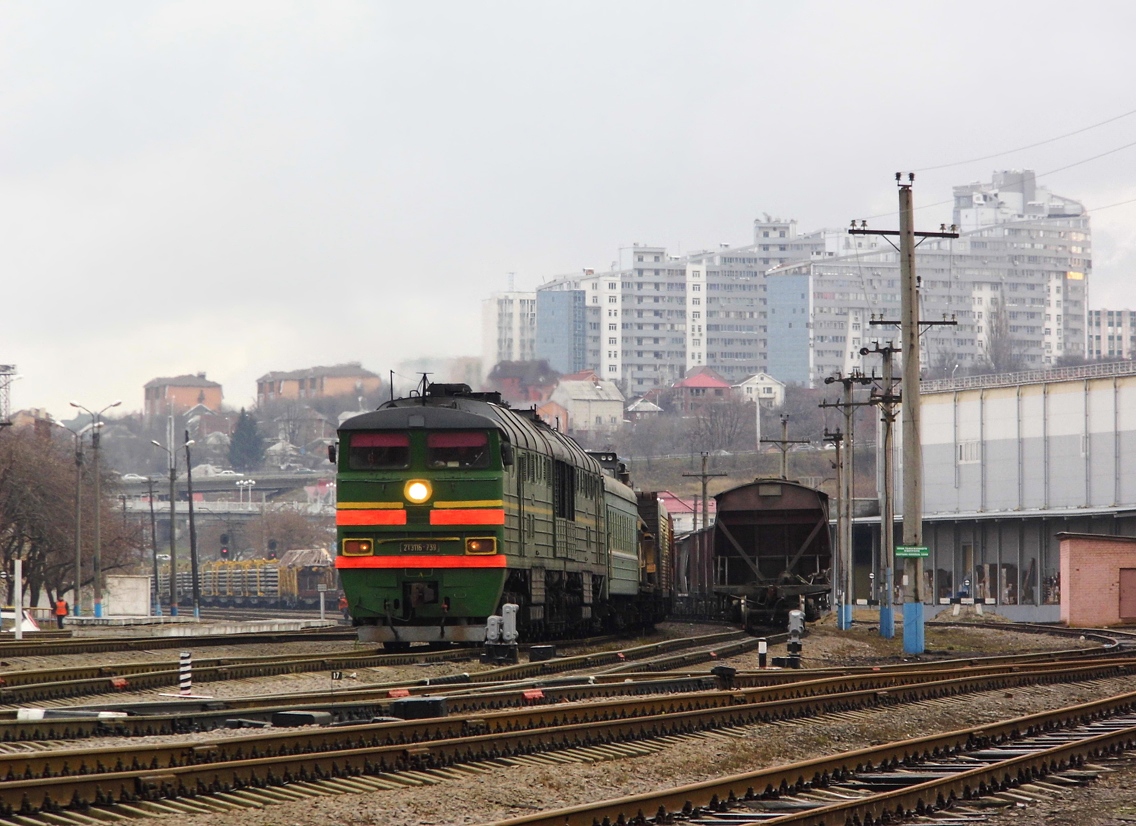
451	504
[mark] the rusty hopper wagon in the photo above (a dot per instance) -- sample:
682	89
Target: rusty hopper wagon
768	552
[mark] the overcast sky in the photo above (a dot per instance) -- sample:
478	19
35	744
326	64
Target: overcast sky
238	187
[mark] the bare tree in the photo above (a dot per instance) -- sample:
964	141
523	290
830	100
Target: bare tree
37	495
284	530
721	426
1002	350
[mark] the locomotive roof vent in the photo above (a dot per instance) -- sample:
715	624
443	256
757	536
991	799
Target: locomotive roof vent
441	389
453	390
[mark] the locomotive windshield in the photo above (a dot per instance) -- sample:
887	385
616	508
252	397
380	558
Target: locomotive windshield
379	451
457	449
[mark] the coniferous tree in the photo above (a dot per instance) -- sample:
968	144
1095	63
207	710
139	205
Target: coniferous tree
246	447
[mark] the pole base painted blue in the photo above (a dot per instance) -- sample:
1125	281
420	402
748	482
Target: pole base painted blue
98	610
173	610
75	610
844	617
156	610
913	640
887	621
196	613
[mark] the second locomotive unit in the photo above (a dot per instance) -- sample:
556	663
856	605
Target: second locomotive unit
450	504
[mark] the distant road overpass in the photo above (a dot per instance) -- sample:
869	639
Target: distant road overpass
221	499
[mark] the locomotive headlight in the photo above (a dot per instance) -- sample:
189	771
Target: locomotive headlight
417	491
481	545
357	547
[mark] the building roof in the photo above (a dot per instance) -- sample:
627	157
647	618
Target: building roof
643	406
583	375
350	370
307	558
703	380
589	390
759	378
197	380
703	377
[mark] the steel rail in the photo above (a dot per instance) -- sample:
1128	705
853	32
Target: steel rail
49	684
447	740
704	690
88	645
713	794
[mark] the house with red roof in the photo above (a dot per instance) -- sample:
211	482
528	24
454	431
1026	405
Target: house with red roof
702	386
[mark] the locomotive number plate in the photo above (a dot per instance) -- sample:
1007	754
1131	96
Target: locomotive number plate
420	547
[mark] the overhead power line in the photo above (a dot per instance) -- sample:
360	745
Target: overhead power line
1029	146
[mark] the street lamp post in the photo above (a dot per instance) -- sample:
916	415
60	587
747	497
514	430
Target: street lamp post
96	423
243	485
192	531
173	531
78	436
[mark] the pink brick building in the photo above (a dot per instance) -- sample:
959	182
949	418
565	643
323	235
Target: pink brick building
1098	579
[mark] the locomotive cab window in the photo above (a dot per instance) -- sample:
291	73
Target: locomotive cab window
457	449
378	451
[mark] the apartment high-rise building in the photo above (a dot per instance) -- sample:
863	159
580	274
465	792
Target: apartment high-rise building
508	328
1015	283
650	320
561	329
1111	334
800	306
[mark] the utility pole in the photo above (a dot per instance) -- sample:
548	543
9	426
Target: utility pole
173	523
155	591
887	400
192	531
783	445
846	487
914	550
705	499
843	559
76	609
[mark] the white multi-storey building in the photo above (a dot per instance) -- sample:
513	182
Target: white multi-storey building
1111	334
1016	288
652	320
800	307
508	328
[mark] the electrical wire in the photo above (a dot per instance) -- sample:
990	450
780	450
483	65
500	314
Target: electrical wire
1036	176
1029	146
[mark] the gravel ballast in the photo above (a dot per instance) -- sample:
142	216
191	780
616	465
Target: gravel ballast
510	791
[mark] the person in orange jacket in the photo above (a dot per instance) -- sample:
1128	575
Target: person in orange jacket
343	606
61	609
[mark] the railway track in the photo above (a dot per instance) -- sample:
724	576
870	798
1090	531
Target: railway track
161	774
21	687
610	673
923	777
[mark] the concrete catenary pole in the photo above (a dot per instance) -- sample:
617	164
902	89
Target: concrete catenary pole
913	637
887	515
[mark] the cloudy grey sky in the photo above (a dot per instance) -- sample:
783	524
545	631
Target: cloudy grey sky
238	187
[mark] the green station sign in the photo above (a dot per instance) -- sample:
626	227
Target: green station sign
911	551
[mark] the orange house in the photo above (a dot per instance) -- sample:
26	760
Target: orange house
180	393
316	382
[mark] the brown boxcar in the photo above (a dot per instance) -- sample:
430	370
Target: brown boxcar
773	550
768	552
